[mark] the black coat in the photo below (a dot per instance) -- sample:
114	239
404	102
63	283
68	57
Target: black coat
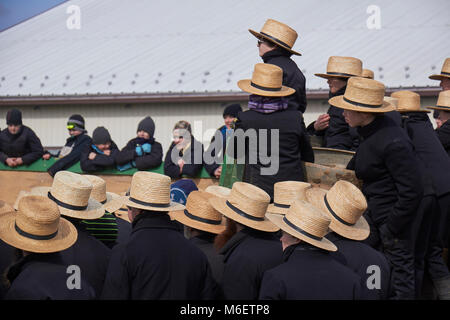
292	77
294	147
358	257
90	255
42	277
25	144
386	163
216	150
429	150
158	263
79	143
247	255
205	242
193	163
443	134
100	162
144	162
7	257
309	273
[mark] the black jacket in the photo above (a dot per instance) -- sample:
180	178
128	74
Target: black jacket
309	273
144	162
79	143
429	150
158	263
386	163
359	257
100	162
193	163
292	77
247	255
25	144
40	276
216	150
443	134
294	147
7	257
90	255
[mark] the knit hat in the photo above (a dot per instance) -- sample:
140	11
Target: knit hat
232	110
14	117
76	122
180	190
147	125
100	136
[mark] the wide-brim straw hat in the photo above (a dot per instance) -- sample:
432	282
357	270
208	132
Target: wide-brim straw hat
367	73
279	34
37	226
151	191
247	205
284	193
4	207
445	72
305	222
408	101
111	201
72	194
21	194
342	67
122	213
443	102
267	81
219	191
200	214
392	101
345	205
363	95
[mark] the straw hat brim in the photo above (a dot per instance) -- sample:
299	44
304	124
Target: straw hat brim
93	211
4	207
323	243
276	210
246	86
220	205
21	194
122	214
181	217
259	35
174	206
439	77
359	231
65	238
439	108
339	102
113	202
331	76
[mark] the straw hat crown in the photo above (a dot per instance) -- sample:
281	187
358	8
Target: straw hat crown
37	215
367	73
98	188
250	199
408	101
278	33
218	191
71	188
342	67
443	102
285	192
445	72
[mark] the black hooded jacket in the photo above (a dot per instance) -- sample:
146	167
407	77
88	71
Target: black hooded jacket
144	162
101	161
25	144
443	134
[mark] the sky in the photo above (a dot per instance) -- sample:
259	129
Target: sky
13	12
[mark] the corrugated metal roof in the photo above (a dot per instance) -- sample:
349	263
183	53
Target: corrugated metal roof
170	46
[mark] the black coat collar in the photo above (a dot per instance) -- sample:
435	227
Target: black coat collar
297	248
153	220
240	236
374	126
278	52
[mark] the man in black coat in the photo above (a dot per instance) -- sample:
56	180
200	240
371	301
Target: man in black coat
75	144
275	43
443	106
19	145
142	152
101	153
157	262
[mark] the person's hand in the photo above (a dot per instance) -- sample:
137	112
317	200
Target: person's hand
322	122
139	151
46	156
107	152
218	172
19	161
92	155
147	147
181	164
11	162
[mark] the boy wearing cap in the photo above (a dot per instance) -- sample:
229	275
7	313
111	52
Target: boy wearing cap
101	153
19	145
75	144
142	152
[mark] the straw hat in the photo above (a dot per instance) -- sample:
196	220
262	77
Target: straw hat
200	214
21	194
305	222
315	197
285	192
408	101
342	67
37	226
122	213
219	191
247	205
392	101
72	192
445	72
443	102
345	205
111	202
367	73
278	33
266	81
151	191
363	95
4	207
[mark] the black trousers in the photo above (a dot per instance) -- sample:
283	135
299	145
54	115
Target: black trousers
444	205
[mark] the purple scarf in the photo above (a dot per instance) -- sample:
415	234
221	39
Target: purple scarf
267	104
